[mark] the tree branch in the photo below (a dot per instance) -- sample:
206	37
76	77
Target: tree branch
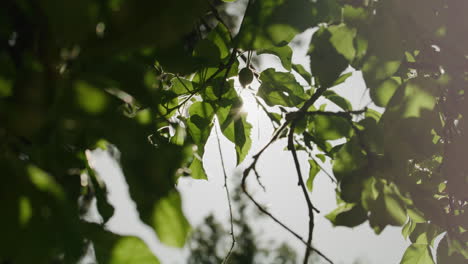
289	118
301	183
228	195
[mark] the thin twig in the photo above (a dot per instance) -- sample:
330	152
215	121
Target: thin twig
276	220
228	195
301	183
257	176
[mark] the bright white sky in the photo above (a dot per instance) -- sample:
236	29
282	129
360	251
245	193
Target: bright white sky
283	196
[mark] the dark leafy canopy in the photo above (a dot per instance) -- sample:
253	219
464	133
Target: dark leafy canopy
153	77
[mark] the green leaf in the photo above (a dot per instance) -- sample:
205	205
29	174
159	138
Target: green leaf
326	63
45	182
196	170
349	215
131	250
425	233
342	38
314	169
110	248
342	78
235	127
394	205
89	98
169	222
220	36
6	88
408	228
369	194
416	215
418	95
273	23
199	127
382	93
331	127
200	122
284	53
349	160
207	53
417	254
280	88
338	100
303	73
181	86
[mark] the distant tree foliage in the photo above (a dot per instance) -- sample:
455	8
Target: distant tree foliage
153	77
209	242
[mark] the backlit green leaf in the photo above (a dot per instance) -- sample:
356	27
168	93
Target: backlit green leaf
342	38
349	215
340	101
326	63
235	127
313	170
331	127
417	254
280	88
169	222
284	53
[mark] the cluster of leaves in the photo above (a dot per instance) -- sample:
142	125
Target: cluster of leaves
151	78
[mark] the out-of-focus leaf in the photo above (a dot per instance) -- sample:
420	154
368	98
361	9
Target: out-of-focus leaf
342	38
91	99
273	23
169	222
331	127
394	206
348	160
444	256
45	182
6	88
326	63
417	254
382	93
221	38
110	248
206	53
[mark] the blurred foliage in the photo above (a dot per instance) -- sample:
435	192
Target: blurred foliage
152	77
